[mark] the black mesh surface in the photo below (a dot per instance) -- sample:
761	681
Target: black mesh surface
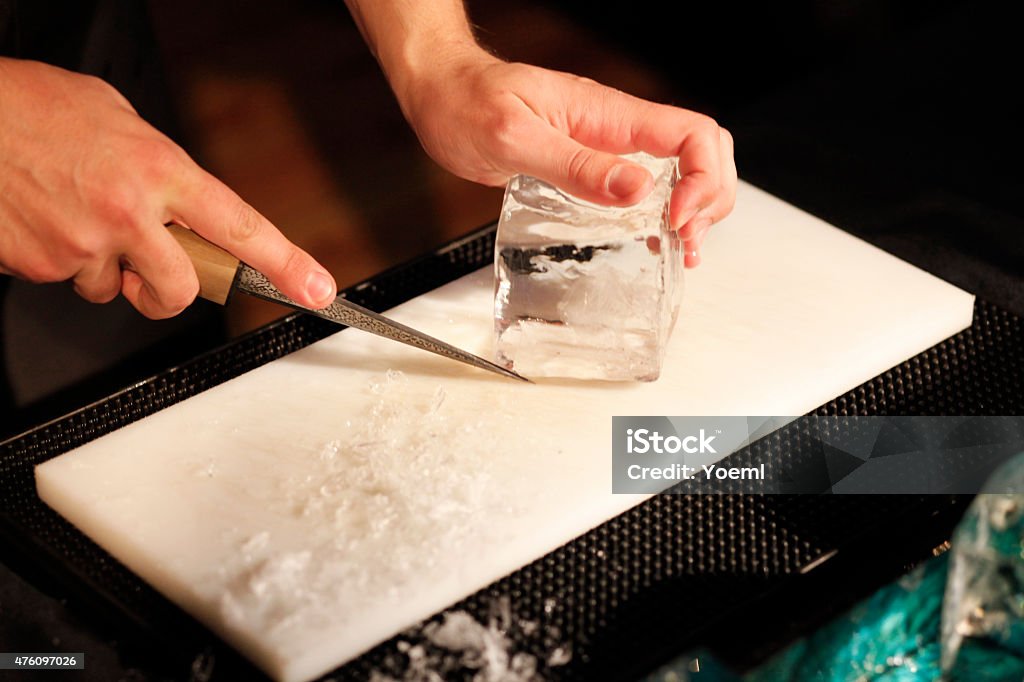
739	574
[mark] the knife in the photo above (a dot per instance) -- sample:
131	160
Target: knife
220	273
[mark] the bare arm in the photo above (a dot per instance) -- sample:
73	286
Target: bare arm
485	119
86	187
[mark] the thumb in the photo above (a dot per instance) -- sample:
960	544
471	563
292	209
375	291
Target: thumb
589	174
218	214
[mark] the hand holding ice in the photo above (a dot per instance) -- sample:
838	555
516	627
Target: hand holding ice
582	290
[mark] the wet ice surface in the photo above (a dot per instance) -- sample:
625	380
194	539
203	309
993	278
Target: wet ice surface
401	488
458	646
586	291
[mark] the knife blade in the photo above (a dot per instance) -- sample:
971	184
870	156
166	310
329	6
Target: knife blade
220	273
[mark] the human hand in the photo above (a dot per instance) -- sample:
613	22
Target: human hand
86	187
486	120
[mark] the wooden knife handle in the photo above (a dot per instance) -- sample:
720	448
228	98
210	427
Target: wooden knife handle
215	267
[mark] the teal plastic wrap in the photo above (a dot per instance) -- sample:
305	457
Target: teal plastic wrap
983	612
958	617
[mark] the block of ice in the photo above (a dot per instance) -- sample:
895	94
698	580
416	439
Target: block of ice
582	290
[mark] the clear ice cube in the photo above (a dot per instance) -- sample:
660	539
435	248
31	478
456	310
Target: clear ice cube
582	290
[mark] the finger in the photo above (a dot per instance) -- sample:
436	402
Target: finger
700	180
692	256
725	198
730	177
691	247
621	123
159	279
701	224
98	282
211	209
586	173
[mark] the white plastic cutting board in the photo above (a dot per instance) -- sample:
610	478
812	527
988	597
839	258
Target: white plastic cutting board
318	505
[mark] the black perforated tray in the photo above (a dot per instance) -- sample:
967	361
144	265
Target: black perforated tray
741	575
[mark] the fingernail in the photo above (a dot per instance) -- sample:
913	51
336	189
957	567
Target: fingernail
625	180
319	287
693	258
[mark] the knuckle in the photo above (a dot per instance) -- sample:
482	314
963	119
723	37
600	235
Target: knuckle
97	293
247	224
110	91
295	262
507	133
161	158
706	126
106	296
295	265
96	83
118	206
577	163
153	313
709	122
96	243
179	297
726	138
174	290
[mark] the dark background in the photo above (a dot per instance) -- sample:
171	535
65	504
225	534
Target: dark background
898	122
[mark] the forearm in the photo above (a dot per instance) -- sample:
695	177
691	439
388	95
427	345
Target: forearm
486	119
409	37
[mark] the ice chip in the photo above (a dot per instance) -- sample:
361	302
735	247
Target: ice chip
586	291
